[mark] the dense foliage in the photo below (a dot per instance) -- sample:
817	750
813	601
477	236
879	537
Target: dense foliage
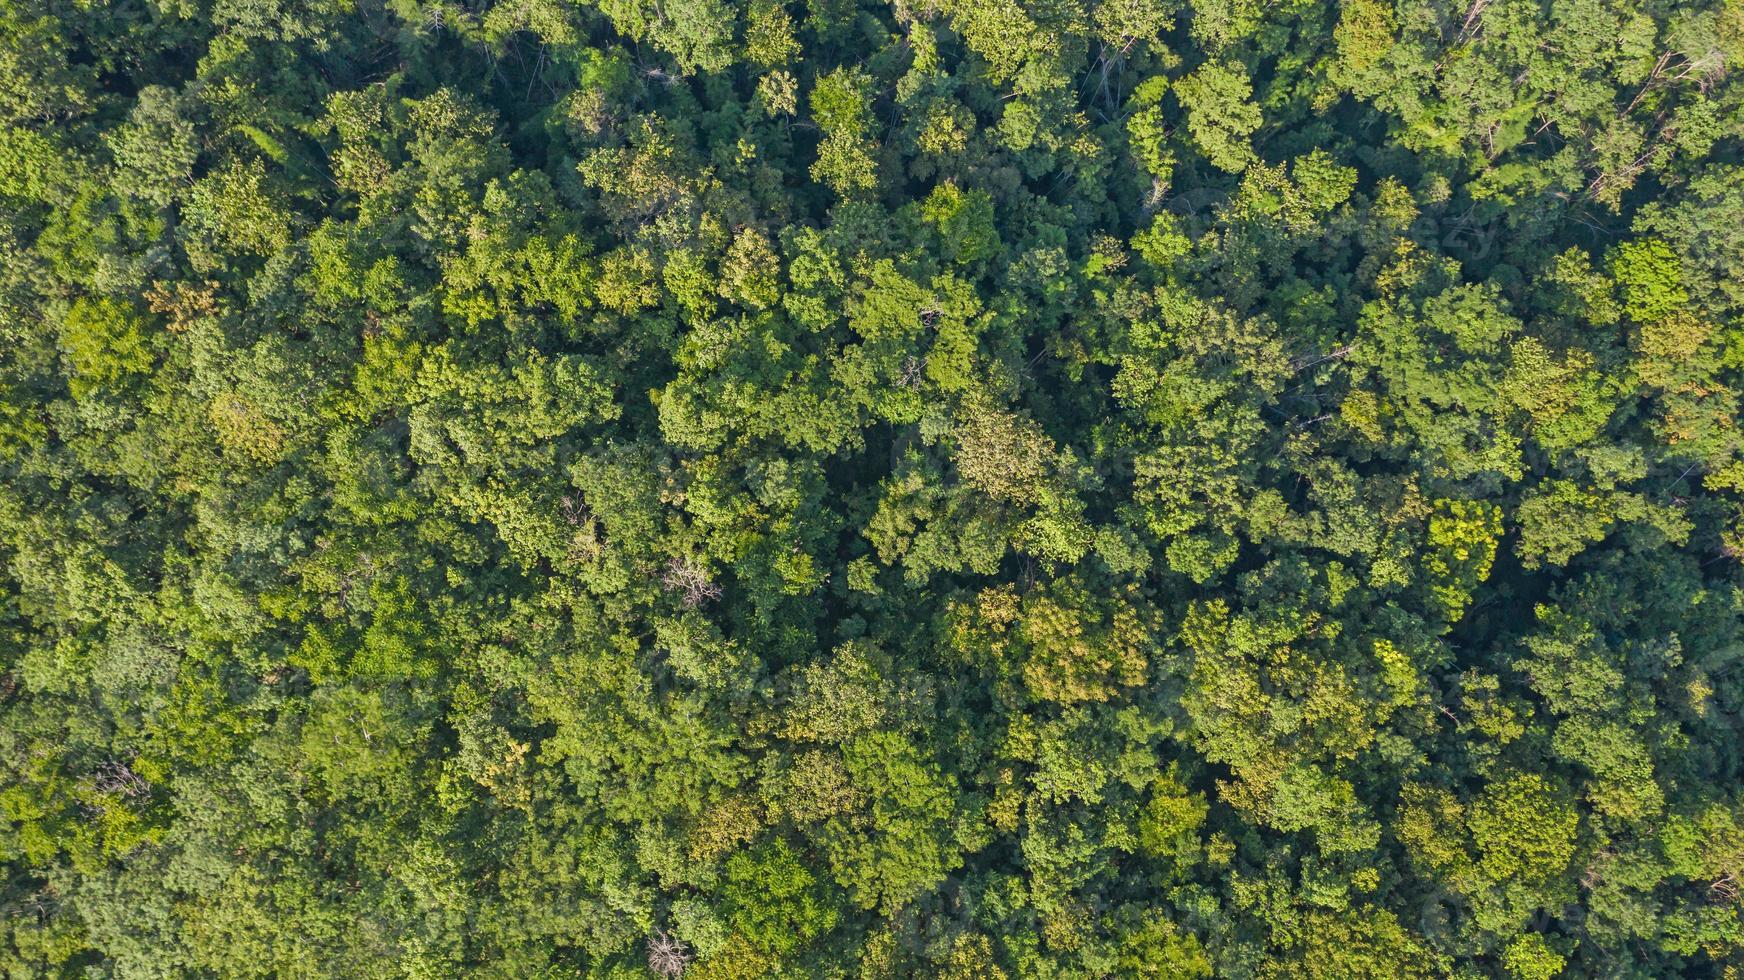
956	488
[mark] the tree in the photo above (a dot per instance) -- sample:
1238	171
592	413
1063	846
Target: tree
1220	117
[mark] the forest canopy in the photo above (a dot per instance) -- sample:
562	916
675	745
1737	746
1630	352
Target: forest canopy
853	489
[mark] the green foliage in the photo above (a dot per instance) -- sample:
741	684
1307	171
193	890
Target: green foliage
770	898
972	489
104	343
1220	114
